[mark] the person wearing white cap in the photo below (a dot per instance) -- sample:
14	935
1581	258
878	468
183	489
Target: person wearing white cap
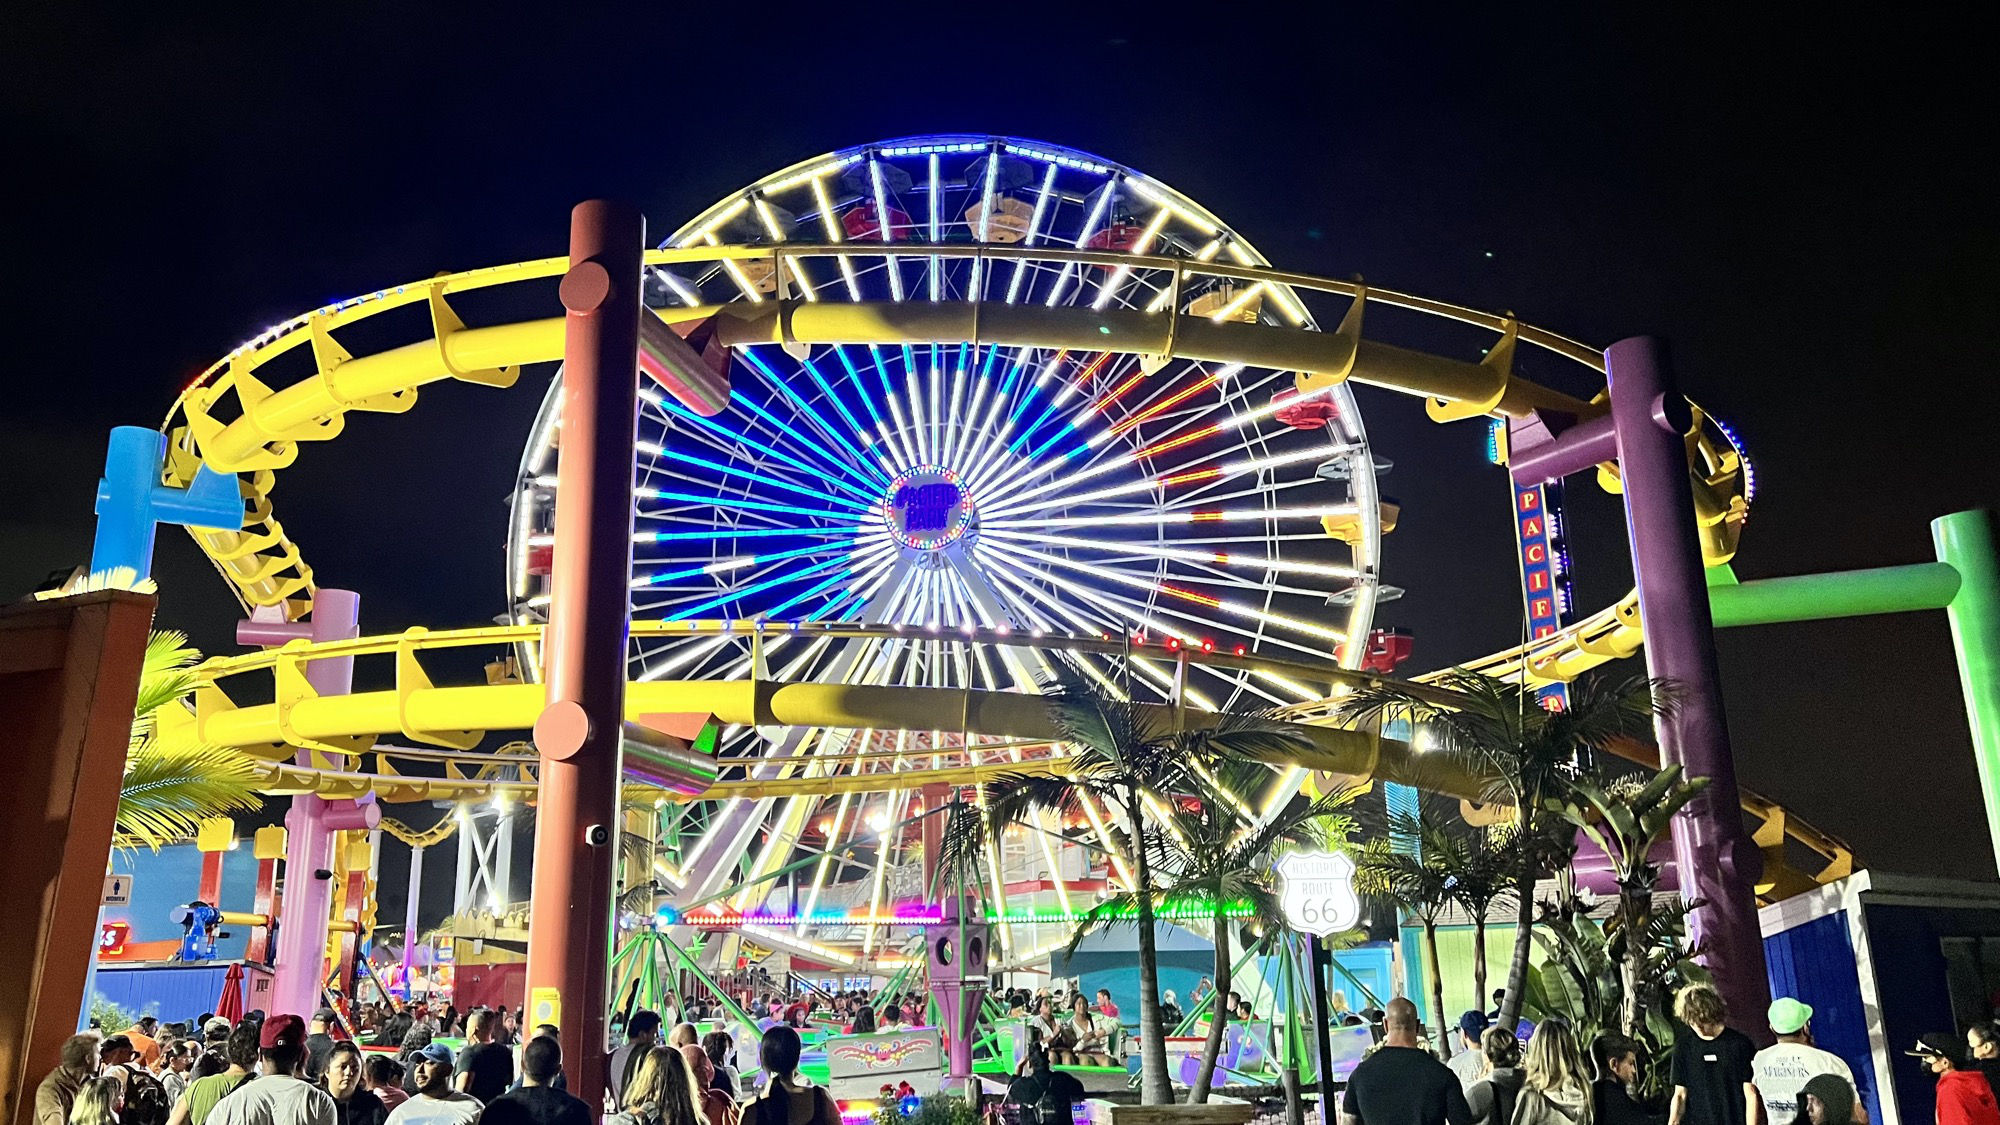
1784	1068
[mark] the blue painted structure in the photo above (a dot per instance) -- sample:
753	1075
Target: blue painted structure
1868	954
170	877
176	991
1109	959
132	503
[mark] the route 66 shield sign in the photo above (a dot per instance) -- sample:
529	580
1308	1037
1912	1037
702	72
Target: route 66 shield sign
1316	892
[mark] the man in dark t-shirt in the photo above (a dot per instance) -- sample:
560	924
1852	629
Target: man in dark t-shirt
1401	1083
319	1044
537	1102
485	1069
1714	1082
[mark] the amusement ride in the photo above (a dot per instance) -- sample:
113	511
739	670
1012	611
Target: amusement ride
970	405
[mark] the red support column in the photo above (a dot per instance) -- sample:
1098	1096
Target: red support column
578	735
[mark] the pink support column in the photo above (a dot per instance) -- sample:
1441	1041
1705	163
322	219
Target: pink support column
300	959
579	734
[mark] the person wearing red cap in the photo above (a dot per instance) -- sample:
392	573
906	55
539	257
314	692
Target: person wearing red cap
280	1095
1963	1095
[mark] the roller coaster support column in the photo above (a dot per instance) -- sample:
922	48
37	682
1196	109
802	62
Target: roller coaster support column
300	959
1718	860
1965	543
580	731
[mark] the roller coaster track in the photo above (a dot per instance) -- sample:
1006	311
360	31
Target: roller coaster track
231	420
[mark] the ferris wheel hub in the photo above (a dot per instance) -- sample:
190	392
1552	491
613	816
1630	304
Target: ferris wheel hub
928	507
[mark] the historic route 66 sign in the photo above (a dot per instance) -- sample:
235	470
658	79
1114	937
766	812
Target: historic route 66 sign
1316	892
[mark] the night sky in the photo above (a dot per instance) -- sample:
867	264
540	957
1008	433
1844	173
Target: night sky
1804	208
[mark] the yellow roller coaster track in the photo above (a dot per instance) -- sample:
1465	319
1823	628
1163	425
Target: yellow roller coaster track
231	420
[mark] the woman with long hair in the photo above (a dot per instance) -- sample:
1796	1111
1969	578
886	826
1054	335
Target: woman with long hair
662	1092
789	1098
719	1108
864	1021
721	1048
98	1102
1555	1088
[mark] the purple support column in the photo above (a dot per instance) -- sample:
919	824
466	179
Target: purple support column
299	962
1718	862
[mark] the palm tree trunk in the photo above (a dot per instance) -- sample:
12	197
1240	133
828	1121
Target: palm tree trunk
1155	1088
1524	928
1479	957
1436	975
1212	1050
1634	961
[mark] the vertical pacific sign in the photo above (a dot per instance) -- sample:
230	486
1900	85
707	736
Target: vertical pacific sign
1545	585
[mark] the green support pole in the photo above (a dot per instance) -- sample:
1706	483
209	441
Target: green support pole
1964	541
1853	593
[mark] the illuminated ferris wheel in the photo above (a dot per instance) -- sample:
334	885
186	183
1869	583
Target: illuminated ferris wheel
1050	491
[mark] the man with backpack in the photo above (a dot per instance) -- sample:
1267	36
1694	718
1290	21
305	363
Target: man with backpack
145	1100
1041	1095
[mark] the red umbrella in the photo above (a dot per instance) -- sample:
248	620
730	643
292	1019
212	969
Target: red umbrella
230	1004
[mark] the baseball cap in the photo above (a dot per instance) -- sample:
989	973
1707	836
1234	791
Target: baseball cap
324	1015
1939	1045
216	1025
1473	1024
436	1052
283	1030
1787	1015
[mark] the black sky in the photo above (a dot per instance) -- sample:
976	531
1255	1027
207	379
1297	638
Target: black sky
1804	205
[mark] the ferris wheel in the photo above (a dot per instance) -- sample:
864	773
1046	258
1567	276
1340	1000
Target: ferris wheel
1050	491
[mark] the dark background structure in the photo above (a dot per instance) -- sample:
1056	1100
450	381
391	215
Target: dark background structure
1802	203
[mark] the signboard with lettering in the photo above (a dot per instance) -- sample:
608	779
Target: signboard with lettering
1316	892
117	891
1545	586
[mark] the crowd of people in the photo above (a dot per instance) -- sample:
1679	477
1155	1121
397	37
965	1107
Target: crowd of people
1717	1076
288	1070
285	1070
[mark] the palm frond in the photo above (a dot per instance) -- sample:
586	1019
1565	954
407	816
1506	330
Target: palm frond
169	789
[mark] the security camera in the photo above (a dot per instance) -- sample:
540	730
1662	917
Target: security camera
597	835
322	873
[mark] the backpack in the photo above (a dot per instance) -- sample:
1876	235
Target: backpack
146	1101
1031	1101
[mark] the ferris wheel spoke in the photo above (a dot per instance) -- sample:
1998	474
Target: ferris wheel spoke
723	440
844	459
670	453
884	225
1090	225
1101	460
1034	232
1236	609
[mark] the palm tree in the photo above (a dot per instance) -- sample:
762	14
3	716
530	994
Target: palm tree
170	784
1479	869
1418	884
1221	857
1626	819
1501	731
1125	756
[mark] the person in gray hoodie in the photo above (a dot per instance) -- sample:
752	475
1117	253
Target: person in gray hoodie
1555	1090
